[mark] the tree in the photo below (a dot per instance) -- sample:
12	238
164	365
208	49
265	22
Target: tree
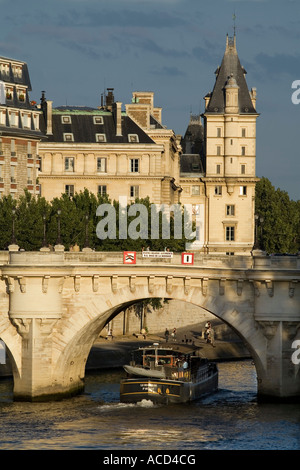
278	219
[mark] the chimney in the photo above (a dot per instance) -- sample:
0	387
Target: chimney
49	117
117	112
109	98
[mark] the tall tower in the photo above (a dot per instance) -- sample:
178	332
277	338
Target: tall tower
230	147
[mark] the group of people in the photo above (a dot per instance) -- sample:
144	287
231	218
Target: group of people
167	334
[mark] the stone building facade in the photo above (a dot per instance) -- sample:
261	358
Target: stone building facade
131	153
19	131
109	151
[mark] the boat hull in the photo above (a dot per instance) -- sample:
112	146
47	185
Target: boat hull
166	391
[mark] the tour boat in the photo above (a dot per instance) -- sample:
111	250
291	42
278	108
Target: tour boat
163	374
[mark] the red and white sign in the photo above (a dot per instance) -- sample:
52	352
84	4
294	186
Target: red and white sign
187	258
129	257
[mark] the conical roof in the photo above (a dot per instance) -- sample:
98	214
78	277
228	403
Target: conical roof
229	71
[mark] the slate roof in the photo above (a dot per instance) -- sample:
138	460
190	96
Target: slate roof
230	66
84	129
191	165
14	80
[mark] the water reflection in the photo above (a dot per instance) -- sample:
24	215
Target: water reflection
229	419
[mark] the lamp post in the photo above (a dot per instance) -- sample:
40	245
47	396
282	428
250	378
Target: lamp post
258	222
13	238
44	222
86	243
58	242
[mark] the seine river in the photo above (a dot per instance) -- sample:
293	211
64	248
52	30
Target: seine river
231	419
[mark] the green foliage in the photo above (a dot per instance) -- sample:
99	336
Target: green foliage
279	219
76	224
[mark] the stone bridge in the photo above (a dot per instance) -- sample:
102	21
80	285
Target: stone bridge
53	306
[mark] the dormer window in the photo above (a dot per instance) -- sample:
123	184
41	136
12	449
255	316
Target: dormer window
68	138
98	119
66	120
133	138
9	93
17	70
100	138
21	95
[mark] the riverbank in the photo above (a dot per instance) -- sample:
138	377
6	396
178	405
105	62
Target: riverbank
114	353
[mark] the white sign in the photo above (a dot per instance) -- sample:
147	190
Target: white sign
187	258
157	254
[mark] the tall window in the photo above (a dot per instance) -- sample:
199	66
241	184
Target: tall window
230	209
230	233
219	131
14	119
101	165
218	190
134	165
243	152
243	190
243	169
134	191
218	169
69	189
13	174
69	164
243	132
102	190
29	175
218	150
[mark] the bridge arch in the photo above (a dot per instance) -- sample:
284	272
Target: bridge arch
71	360
55	304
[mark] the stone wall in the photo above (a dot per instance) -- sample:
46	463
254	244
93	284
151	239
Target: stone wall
174	314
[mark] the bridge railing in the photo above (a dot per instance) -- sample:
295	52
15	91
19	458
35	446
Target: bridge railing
117	258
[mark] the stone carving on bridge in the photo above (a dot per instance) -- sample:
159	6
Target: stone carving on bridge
293	329
270	287
10	282
169	286
292	287
114	283
44	326
269	328
204	285
22	283
132	286
222	286
61	284
187	285
45	283
256	286
95	283
22	325
240	283
77	282
151	280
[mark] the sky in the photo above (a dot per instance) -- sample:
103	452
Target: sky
75	49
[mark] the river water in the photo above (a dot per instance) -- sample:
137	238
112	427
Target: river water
231	419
